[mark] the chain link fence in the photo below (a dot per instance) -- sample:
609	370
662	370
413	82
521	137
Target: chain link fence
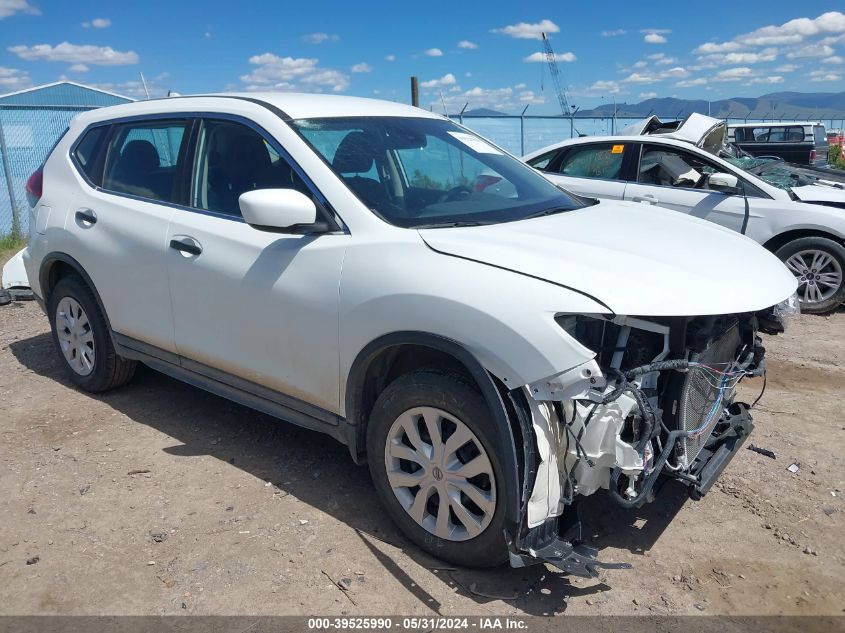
27	134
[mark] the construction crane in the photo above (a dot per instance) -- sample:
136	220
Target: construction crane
565	108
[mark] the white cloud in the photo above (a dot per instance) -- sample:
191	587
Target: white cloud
97	23
648	95
640	78
520	86
79	68
10	7
766	55
292	73
654	38
795	31
478	97
678	72
467	44
12	79
614	33
661	59
434	52
363	67
773	79
446	80
134	88
734	74
390	58
787	68
834	59
526	31
529	97
604	87
692	83
712	47
811	50
75	53
641	64
319	38
541	57
825	75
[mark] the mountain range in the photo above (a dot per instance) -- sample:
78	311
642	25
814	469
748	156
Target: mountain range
776	105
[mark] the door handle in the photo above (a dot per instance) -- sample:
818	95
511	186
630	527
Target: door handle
186	246
87	217
646	198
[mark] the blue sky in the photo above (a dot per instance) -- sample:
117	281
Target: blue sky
480	53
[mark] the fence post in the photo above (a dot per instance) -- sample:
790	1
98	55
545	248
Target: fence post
7	173
522	131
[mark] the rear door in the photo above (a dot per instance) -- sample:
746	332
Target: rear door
591	169
120	220
675	178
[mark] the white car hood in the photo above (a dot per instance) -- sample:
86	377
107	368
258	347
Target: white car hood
636	259
819	193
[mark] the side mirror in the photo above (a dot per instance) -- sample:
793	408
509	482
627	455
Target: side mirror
279	211
726	183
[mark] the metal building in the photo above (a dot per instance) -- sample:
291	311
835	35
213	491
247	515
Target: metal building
31	121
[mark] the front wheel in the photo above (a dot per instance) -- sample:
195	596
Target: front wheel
818	264
433	463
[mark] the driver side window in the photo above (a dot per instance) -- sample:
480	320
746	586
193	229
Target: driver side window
668	167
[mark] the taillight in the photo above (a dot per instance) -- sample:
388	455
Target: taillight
34	186
812	155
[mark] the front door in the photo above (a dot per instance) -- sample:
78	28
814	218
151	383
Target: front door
250	305
677	179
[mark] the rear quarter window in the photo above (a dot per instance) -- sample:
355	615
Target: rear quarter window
89	153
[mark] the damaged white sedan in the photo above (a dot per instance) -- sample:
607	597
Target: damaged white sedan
493	347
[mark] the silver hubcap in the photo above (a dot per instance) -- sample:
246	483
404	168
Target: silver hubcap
819	275
440	473
75	336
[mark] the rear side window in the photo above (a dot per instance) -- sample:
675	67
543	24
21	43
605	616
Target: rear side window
89	153
602	160
144	159
791	134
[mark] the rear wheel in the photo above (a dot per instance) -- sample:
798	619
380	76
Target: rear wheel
431	456
818	264
82	339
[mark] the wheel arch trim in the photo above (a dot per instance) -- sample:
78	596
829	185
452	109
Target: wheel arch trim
356	426
56	257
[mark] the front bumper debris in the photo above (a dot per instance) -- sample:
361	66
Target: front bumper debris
551	543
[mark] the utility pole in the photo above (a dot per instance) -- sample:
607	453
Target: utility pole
415	92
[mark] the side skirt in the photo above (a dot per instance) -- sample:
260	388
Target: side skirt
233	388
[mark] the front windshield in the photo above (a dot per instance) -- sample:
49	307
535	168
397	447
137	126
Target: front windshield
419	172
772	171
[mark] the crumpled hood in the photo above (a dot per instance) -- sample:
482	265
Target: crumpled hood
820	193
636	259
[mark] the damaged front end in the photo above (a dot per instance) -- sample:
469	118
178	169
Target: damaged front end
657	402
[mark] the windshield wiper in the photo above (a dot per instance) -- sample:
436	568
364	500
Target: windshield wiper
544	212
451	225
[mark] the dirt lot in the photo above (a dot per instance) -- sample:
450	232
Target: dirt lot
160	498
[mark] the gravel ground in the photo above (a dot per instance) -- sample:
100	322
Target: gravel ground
160	498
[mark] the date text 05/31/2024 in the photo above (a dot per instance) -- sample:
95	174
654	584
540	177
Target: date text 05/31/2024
416	623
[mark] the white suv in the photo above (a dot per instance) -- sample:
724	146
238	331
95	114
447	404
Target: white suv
491	346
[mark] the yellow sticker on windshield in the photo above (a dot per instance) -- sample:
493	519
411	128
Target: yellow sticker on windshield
617	149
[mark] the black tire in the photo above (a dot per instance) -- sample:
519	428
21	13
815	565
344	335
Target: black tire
109	370
454	395
829	247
